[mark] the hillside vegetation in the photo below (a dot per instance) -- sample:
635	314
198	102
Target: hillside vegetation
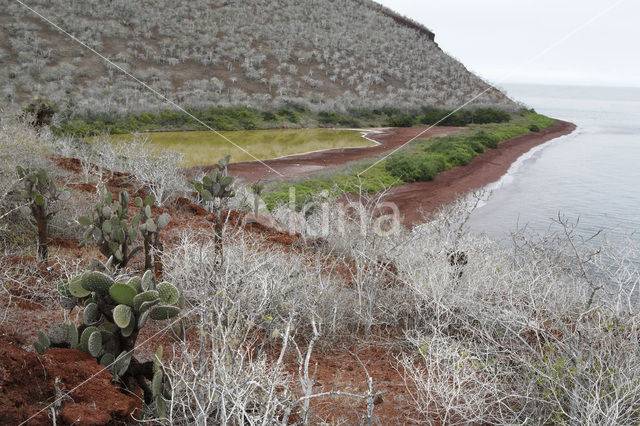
325	55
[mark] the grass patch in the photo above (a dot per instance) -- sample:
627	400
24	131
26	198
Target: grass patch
420	161
205	147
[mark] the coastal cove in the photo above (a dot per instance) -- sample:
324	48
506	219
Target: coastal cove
590	176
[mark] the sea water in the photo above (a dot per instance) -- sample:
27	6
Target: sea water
591	177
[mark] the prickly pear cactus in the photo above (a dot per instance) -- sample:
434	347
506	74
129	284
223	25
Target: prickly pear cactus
150	228
214	190
114	312
40	193
107	224
216	186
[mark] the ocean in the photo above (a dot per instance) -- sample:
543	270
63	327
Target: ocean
591	177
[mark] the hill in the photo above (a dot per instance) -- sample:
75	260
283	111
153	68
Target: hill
321	54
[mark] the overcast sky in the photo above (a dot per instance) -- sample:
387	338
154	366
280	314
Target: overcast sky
498	39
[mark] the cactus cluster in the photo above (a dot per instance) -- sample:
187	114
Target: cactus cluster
40	192
216	186
108	225
150	228
214	189
111	226
113	315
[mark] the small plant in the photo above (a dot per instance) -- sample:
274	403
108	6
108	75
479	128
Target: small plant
214	189
41	110
108	225
113	315
40	193
256	189
150	228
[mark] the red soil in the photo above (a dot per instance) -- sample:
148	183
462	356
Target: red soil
414	198
303	164
27	387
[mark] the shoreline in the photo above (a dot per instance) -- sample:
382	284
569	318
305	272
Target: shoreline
415	198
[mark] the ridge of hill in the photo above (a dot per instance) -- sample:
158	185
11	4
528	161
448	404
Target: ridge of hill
321	54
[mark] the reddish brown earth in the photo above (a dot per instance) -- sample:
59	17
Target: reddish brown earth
413	199
300	165
27	385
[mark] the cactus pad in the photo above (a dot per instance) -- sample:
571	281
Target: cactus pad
157	359
38	347
107	359
122	315
62	287
76	287
126	332
160	313
73	336
147	281
169	295
43	339
156	383
68	303
121	364
84	338
136	283
94	344
90	314
58	334
163	220
98	282
147	296
123	293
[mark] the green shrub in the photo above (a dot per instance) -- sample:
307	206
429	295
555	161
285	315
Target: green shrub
415	168
403	120
487	115
486	139
534	127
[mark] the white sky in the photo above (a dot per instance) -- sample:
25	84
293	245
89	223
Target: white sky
500	39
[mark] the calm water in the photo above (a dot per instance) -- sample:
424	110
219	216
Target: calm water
593	174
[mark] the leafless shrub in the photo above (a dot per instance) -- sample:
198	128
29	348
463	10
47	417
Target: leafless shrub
522	334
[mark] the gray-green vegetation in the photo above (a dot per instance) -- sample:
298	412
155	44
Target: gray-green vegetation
323	55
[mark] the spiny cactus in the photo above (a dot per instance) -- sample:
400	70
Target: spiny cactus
114	312
41	194
108	225
214	189
150	228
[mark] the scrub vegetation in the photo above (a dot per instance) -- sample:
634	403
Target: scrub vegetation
322	55
470	331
